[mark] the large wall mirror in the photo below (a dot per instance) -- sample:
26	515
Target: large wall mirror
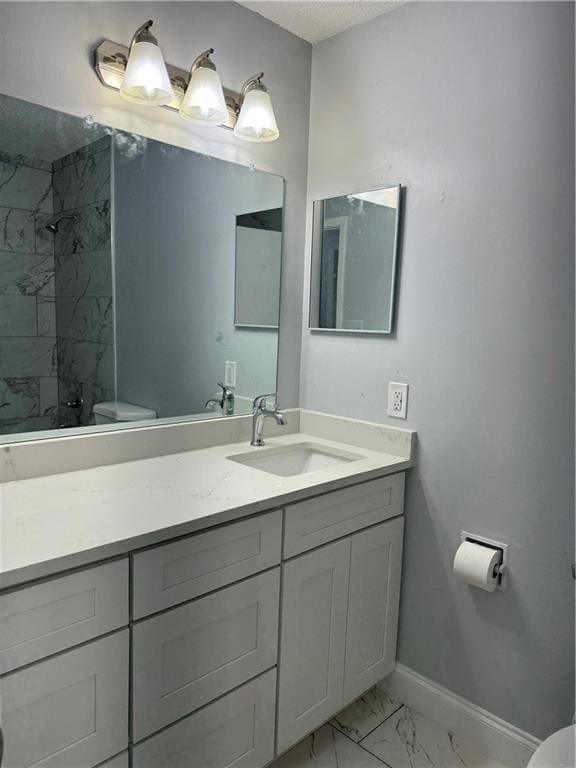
126	292
354	259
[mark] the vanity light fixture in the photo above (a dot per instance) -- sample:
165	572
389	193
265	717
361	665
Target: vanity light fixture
142	77
256	119
204	101
146	78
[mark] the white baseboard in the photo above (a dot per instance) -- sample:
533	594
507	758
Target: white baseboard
493	736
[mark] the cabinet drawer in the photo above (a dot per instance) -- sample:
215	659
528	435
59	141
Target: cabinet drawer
237	730
173	573
70	711
38	621
190	655
317	521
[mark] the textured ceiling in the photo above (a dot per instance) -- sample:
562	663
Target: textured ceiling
315	20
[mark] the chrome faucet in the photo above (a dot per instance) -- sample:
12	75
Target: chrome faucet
226	402
261	412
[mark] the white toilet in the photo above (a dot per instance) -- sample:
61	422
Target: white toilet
118	411
557	751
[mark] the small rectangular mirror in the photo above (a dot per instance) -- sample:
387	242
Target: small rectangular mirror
258	262
354	257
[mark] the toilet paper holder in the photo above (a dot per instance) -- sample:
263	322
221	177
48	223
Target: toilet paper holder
498	545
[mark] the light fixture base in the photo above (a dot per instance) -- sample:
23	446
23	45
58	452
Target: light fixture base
110	61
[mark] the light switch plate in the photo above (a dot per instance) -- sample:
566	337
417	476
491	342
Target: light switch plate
397	399
230	373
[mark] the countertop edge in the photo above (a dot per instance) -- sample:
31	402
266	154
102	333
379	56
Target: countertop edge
16	578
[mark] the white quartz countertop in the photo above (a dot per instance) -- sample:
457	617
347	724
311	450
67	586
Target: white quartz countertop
54	523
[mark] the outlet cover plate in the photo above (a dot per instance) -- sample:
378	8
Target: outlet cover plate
397	399
230	373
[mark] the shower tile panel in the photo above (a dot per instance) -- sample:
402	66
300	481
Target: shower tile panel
24	187
91	232
82	152
27	356
87	319
86	181
48	386
44	238
46	312
85	361
31	162
17	230
27	274
87	274
19	398
17	315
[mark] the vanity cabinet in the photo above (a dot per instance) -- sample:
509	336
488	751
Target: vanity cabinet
339	623
222	648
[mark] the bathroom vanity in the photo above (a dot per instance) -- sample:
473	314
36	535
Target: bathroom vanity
222	639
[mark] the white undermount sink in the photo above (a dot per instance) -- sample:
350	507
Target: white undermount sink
295	459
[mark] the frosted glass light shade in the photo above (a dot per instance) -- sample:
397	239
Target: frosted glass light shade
256	121
204	99
146	79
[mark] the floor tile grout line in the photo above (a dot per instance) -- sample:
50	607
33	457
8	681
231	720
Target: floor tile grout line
358	744
398	708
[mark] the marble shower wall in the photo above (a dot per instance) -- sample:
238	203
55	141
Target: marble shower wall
81	187
28	383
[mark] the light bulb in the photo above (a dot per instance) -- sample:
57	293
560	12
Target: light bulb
256	121
204	100
146	78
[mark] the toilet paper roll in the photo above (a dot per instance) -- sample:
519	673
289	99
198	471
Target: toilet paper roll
477	565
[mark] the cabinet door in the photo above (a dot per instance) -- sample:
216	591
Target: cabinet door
313	640
70	711
235	731
188	656
374	596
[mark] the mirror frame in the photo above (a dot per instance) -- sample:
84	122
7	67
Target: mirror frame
316	248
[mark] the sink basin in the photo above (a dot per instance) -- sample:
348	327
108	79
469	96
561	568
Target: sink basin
296	459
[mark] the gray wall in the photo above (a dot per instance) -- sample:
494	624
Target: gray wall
245	44
470	106
174	253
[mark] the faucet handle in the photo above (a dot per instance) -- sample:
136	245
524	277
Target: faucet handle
260	400
226	390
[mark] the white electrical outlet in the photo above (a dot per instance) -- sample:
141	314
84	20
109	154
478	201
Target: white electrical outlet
397	399
230	373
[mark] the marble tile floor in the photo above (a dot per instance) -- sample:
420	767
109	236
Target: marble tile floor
376	731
